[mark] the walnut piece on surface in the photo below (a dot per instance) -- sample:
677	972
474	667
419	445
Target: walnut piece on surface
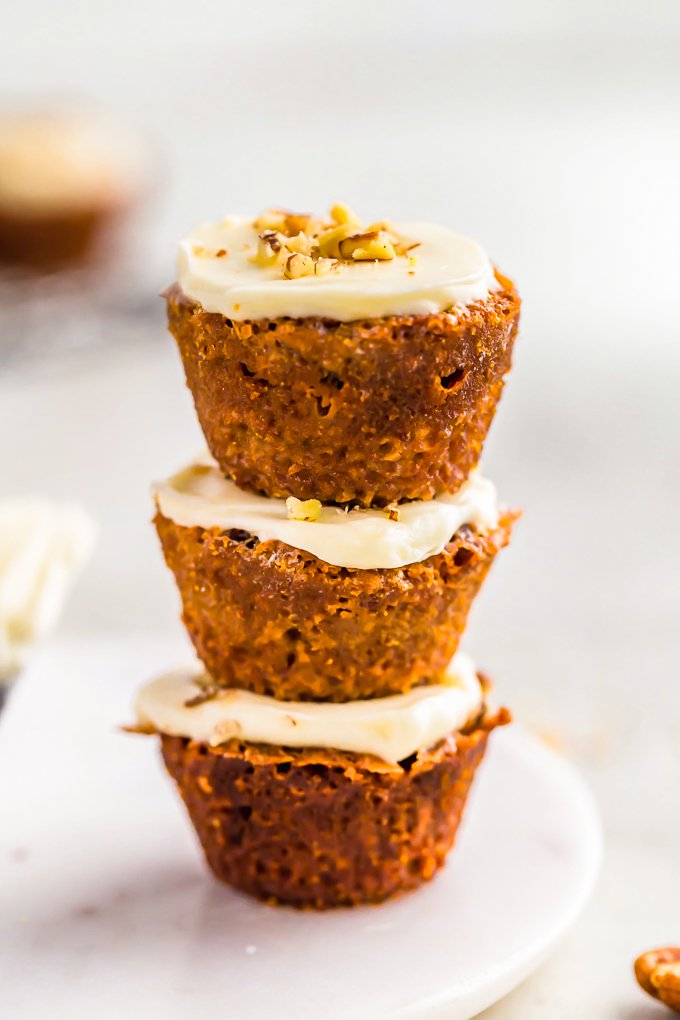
658	973
303	509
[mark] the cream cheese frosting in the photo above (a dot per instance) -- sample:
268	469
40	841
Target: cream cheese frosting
216	269
42	546
199	496
390	728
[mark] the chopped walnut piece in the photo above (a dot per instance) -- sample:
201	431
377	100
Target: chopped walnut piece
300	243
288	223
297	266
302	223
271	220
374	244
329	240
270	247
303	509
306	246
658	973
343	215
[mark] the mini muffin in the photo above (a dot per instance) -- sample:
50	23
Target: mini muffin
66	180
351	374
280	619
315	826
323	829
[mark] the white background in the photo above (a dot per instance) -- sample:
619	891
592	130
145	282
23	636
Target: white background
551	132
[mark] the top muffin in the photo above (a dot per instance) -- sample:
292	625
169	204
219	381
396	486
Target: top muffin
339	361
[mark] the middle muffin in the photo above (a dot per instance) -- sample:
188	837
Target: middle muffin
304	602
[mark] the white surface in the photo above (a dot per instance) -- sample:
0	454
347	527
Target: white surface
109	911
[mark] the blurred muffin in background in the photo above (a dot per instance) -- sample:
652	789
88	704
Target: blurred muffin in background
67	181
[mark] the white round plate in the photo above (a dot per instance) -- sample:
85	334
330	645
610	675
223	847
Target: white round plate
109	912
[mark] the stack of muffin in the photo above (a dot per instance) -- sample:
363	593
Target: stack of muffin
328	551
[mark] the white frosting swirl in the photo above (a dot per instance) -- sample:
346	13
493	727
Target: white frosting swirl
449	269
42	546
390	728
200	496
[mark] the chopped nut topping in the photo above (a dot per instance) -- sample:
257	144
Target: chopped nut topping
342	214
297	266
392	512
303	245
303	509
220	253
288	223
300	243
374	244
302	223
270	246
272	220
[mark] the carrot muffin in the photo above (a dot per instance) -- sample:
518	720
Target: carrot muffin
342	362
302	601
322	805
65	181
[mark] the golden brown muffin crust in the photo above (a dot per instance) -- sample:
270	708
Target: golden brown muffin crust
322	828
277	620
369	412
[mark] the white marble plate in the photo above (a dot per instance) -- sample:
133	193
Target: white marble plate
108	912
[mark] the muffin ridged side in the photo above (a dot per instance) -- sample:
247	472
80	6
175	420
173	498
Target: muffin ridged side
370	412
279	621
321	828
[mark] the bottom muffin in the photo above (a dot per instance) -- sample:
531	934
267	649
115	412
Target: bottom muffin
325	828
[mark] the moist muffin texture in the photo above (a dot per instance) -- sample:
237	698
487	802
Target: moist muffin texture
277	620
366	412
322	828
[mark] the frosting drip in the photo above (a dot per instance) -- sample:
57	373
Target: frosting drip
200	496
390	728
